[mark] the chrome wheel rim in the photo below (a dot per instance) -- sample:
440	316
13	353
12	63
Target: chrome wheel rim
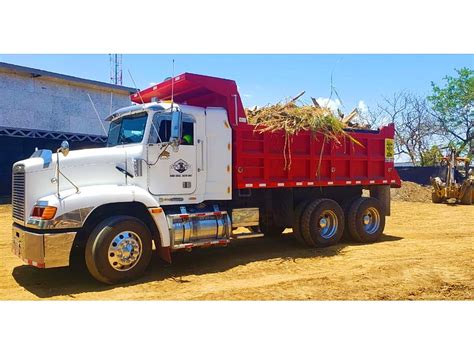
371	220
328	224
125	250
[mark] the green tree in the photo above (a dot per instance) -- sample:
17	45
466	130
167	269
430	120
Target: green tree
431	157
453	106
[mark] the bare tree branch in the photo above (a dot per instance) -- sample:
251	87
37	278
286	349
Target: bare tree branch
415	125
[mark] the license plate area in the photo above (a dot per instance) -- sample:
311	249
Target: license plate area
27	245
17	241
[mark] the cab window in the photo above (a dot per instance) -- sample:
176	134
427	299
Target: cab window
160	131
187	133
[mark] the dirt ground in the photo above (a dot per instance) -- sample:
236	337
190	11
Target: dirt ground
427	253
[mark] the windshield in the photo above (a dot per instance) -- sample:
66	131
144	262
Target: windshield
127	129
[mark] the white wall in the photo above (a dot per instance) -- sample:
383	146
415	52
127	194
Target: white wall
54	105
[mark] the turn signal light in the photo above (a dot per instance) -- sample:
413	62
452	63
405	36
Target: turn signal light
44	212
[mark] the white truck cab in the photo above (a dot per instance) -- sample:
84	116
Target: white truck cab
157	155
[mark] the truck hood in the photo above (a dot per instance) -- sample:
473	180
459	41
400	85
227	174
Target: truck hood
86	167
84	158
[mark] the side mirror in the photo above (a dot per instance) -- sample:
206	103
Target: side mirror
176	127
64	148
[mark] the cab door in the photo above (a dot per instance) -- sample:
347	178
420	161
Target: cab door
171	169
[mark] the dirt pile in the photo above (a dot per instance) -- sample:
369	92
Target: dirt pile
411	192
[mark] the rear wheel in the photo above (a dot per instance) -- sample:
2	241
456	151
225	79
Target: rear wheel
118	249
322	223
366	220
298	214
346	205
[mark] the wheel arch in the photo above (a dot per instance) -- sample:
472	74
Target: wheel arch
156	223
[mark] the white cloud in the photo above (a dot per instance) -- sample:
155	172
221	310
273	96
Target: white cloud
362	108
331	104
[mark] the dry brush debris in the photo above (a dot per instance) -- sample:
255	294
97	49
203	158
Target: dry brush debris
293	118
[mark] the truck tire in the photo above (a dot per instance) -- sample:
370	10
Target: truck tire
467	198
297	215
118	249
346	205
366	220
322	223
435	198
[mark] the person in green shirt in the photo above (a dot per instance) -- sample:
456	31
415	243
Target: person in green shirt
187	139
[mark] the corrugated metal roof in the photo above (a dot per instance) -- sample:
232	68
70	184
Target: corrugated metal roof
13	68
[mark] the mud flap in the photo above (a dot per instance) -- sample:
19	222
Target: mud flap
164	253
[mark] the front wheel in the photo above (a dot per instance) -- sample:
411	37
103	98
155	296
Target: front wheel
119	249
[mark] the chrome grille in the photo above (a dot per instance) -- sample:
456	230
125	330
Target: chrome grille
18	195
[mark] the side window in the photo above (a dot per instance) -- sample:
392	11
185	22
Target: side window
188	133
160	130
165	130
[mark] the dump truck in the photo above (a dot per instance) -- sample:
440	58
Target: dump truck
183	169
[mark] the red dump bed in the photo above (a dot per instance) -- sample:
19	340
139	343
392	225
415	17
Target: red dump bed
313	161
259	160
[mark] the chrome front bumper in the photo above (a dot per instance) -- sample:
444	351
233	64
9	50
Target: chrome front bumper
42	250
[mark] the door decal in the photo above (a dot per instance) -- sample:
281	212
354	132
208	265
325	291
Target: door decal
181	168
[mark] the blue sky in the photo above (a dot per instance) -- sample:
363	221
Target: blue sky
264	79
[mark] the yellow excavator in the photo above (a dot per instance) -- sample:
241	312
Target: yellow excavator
456	183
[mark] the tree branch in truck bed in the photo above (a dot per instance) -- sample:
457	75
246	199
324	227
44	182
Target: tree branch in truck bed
292	119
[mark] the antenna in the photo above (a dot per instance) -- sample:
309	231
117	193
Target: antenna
136	88
172	87
98	116
111	99
115	68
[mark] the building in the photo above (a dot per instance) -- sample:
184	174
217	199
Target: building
40	109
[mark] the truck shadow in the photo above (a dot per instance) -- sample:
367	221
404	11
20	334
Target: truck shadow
45	283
